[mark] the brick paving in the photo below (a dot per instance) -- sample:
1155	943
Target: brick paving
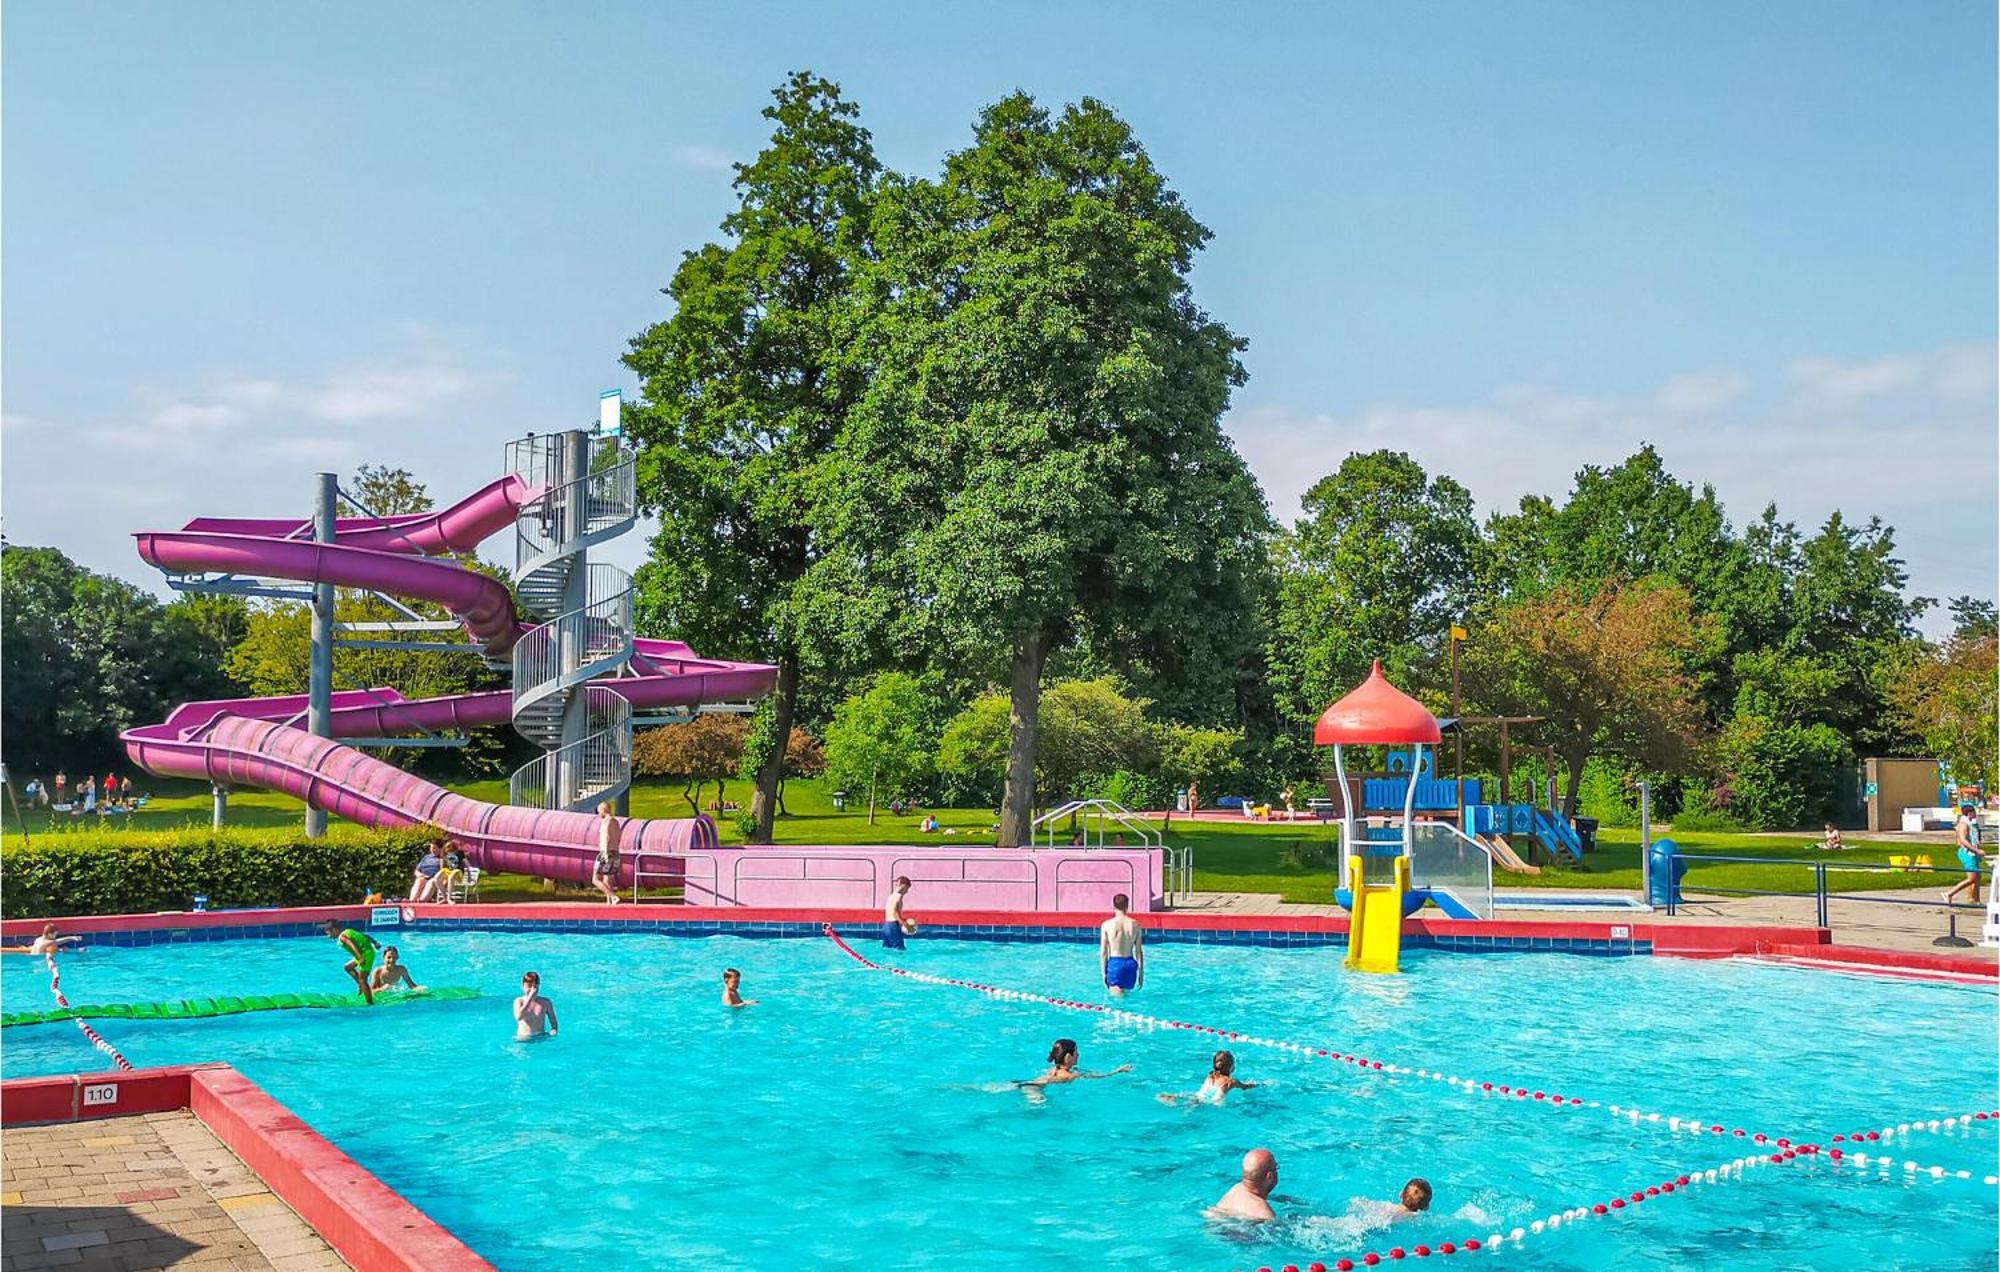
155	1191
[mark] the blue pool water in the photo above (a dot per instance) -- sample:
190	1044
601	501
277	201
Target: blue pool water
845	1120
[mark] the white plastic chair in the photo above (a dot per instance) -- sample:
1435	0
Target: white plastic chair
465	887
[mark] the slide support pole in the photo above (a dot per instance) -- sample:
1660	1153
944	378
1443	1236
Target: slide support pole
319	702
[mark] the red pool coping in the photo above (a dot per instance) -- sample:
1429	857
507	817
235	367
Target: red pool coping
367	1223
1867	958
1679	939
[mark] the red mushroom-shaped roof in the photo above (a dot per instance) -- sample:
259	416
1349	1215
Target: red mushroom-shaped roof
1376	711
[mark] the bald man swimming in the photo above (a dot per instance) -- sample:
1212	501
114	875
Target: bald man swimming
1249	1198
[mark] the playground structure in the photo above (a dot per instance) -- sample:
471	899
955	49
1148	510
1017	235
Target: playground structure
1390	867
578	670
1538	827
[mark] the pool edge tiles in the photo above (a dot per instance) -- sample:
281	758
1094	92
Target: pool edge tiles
1595	937
367	1223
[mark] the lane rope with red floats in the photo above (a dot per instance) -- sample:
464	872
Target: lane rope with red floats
1569	1217
1526	1095
96	1039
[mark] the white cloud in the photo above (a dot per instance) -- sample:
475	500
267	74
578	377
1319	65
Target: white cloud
1906	436
245	445
707	158
1700	391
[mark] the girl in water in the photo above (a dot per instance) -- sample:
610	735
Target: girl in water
1062	1068
1221	1080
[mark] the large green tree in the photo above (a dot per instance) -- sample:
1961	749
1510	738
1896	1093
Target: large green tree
1379	566
746	386
1038	458
85	656
878	740
1612	670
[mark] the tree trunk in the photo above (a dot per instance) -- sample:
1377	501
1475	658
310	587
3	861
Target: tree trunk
692	794
1575	763
768	799
1017	803
871	799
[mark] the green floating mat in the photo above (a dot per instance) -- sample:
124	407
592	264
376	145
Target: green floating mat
201	1007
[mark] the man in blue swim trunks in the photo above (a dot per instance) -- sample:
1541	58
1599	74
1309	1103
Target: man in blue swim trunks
895	924
1121	949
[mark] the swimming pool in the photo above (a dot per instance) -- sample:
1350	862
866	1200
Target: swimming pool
848	1116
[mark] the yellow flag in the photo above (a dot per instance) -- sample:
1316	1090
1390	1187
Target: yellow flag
1459	633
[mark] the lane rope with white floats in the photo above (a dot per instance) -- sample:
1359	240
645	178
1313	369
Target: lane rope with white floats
1538	1098
96	1039
1567	1217
1783	1149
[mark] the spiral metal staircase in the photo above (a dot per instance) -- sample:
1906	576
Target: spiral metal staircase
582	611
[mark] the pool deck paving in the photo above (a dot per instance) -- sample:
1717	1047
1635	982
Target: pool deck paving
156	1190
1871	921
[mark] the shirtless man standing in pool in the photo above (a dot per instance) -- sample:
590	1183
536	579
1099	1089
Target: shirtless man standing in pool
534	1015
1121	949
895	924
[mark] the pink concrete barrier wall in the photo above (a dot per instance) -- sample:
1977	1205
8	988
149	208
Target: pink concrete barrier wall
942	878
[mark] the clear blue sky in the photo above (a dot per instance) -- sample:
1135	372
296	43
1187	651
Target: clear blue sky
244	242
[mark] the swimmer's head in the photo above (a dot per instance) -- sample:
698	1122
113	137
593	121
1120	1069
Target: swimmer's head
1224	1063
1121	902
531	980
1260	1171
902	883
389	955
332	927
48	929
604	808
1063	1054
730	976
1417	1195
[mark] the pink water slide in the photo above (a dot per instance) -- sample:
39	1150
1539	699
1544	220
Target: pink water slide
254	742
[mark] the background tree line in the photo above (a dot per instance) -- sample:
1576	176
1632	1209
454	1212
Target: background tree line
947	449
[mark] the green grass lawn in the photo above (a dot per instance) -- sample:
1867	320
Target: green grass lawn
1294	860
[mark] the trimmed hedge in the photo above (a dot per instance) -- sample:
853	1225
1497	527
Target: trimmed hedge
138	872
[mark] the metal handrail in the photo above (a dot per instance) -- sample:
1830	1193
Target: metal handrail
1821	894
591	641
559	657
601	758
1149	837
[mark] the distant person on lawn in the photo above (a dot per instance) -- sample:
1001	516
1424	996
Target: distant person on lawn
62	787
1969	855
1832	842
604	871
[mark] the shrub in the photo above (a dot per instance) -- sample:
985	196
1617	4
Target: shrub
1603	795
1783	775
1136	791
1703	809
135	872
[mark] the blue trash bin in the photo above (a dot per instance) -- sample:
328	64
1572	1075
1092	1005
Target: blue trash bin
1664	877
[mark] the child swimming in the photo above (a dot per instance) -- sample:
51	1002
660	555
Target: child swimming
393	972
732	984
1062	1068
1221	1080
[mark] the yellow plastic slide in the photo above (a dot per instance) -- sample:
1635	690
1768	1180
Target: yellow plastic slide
1375	920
